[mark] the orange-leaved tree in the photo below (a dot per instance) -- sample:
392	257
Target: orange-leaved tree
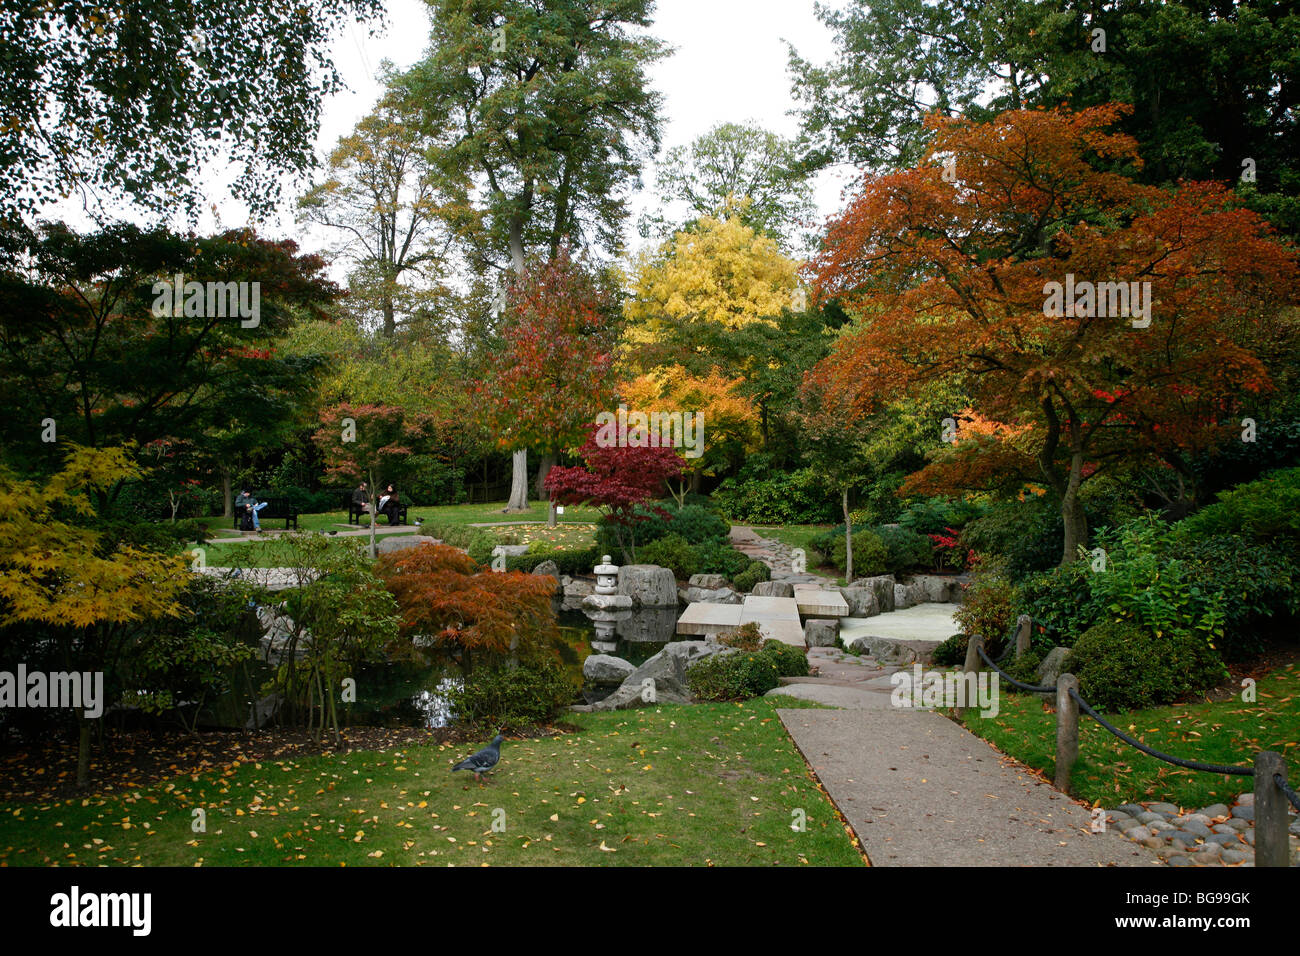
447	599
551	376
1115	319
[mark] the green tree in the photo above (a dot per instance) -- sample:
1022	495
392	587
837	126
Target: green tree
138	95
543	114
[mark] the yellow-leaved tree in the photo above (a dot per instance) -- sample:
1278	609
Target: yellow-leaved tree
59	576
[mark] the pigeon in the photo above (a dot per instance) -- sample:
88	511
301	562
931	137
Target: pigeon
483	761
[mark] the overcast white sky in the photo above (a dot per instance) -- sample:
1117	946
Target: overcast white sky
729	66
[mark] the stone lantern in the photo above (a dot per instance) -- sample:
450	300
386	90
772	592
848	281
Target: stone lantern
606	577
606	597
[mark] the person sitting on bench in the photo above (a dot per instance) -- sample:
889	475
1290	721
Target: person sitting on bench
361	498
390	504
246	501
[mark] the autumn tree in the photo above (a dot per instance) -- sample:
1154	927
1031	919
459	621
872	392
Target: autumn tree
615	480
382	200
87	348
551	375
362	441
91	598
544	114
465	611
1149	357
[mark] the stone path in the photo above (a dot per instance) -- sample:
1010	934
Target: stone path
1217	835
775	554
918	790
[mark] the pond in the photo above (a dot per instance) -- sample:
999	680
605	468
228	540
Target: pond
403	694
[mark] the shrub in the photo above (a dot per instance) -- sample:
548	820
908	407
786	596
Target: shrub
745	580
747	637
1254	581
1025	668
1266	509
734	676
869	555
480	546
950	652
671	551
988	609
790	661
934	515
1028	534
797	497
1124	667
719	557
508	696
1061	603
570	561
906	550
697	524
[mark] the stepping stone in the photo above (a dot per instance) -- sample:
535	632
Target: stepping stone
819	602
760	608
702	618
787	632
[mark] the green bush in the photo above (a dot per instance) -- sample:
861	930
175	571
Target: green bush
951	652
1257	583
734	676
797	497
571	561
511	696
906	550
671	551
747	637
1124	667
1266	509
791	661
693	522
697	524
480	545
745	580
869	555
719	557
1025	668
1028	535
934	515
1061	602
988	609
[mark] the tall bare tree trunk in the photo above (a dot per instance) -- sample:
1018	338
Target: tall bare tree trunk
519	483
848	540
227	499
543	469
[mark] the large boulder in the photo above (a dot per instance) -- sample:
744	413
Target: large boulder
861	601
710	581
883	586
661	679
391	543
548	567
1050	669
821	633
774	589
883	649
648	585
722	595
936	588
908	595
606	669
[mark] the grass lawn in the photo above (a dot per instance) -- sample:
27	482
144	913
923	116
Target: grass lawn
1110	771
699	785
792	535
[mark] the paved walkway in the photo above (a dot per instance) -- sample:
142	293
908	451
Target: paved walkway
918	790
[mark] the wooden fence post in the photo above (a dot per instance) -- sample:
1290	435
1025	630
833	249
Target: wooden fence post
1067	730
1024	628
1272	846
973	662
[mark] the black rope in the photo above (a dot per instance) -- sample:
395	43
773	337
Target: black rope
1177	761
1011	680
1290	794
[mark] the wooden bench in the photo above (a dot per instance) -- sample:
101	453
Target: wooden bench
356	511
276	508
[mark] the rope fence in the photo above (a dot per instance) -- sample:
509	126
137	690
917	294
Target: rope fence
1272	792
